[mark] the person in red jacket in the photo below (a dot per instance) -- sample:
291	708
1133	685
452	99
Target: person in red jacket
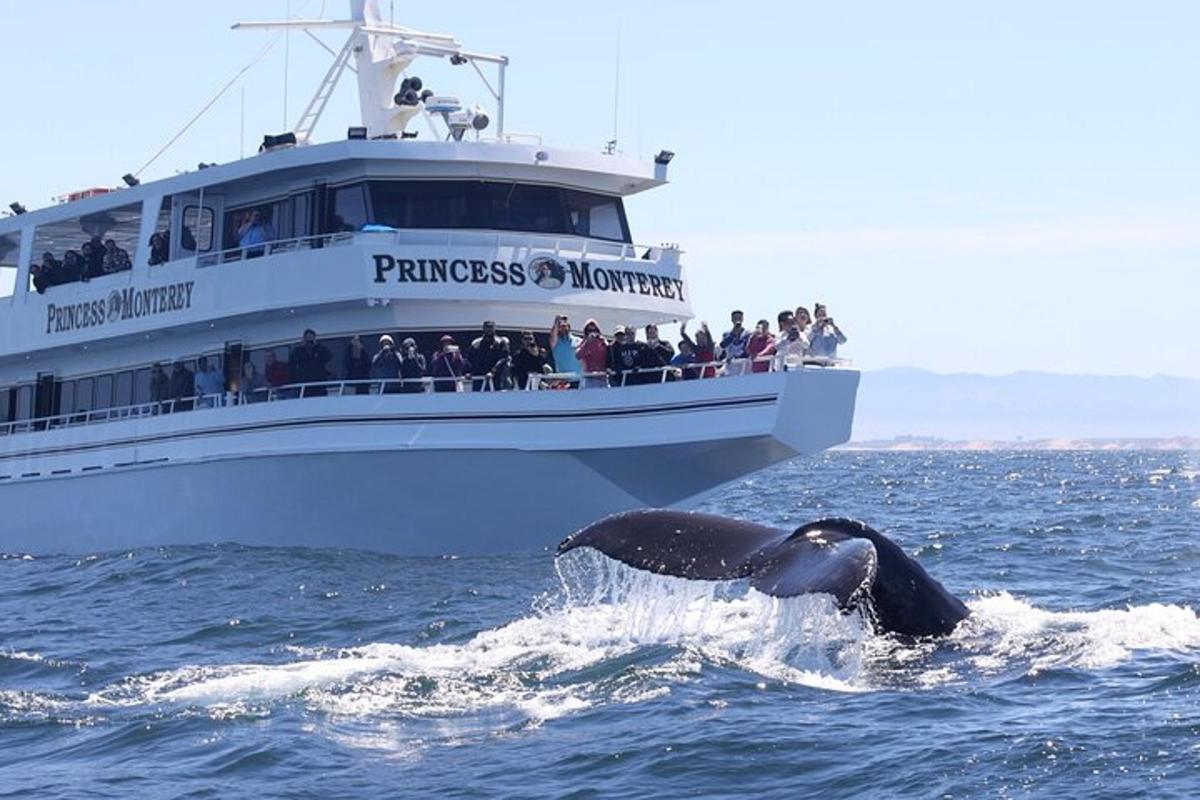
593	356
761	343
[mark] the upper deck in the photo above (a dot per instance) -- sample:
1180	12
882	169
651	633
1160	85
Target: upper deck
454	231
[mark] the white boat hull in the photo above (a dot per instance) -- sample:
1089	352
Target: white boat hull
408	474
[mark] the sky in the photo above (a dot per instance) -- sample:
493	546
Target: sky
969	187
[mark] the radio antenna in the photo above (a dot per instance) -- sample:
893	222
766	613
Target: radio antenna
611	148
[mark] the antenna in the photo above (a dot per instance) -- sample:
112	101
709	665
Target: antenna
242	132
287	46
612	145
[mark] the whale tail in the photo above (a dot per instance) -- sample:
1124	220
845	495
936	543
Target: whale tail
840	557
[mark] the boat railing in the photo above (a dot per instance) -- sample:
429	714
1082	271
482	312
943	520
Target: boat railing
563	246
424	385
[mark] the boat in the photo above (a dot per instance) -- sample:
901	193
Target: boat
427	219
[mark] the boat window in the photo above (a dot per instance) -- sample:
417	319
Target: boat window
69	250
596	216
10	251
104	391
197	234
123	390
349	208
141	386
22	403
302	215
83	395
66	396
491	205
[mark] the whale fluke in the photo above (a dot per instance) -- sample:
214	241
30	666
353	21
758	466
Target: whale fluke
839	557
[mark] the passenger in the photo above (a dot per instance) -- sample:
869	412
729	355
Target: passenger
592	353
563	346
72	267
686	357
385	365
825	336
702	347
307	364
254	230
183	387
209	383
160	387
251	384
93	258
761	344
448	366
803	320
357	364
790	351
115	259
491	358
412	368
661	347
733	345
529	360
786	320
46	274
160	248
186	240
277	371
622	358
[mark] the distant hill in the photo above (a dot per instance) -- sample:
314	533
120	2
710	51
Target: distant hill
906	402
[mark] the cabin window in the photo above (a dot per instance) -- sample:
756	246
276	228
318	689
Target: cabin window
596	216
197	233
302	205
23	403
83	395
349	208
66	397
123	390
104	392
141	386
491	205
6	399
10	251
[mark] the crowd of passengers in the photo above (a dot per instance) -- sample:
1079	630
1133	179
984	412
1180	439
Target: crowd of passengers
96	258
491	363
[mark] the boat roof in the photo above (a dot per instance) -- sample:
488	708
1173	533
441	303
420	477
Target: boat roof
611	174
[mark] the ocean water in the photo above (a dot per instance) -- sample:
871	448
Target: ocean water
225	671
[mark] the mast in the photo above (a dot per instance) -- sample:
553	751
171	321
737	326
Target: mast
381	53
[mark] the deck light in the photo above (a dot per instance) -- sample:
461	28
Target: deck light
356	132
458	60
281	140
664	157
130	180
17	208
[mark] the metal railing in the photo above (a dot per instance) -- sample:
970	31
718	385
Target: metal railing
274	248
575	246
424	385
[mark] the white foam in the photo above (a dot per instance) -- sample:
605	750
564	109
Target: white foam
1004	630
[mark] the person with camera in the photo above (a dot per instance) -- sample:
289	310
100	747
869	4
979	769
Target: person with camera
412	368
592	353
529	360
760	345
733	345
825	335
791	349
448	366
385	365
490	358
308	364
563	346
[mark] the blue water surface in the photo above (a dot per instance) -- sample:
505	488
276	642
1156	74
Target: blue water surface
225	671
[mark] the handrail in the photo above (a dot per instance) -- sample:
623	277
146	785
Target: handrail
425	385
568	243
